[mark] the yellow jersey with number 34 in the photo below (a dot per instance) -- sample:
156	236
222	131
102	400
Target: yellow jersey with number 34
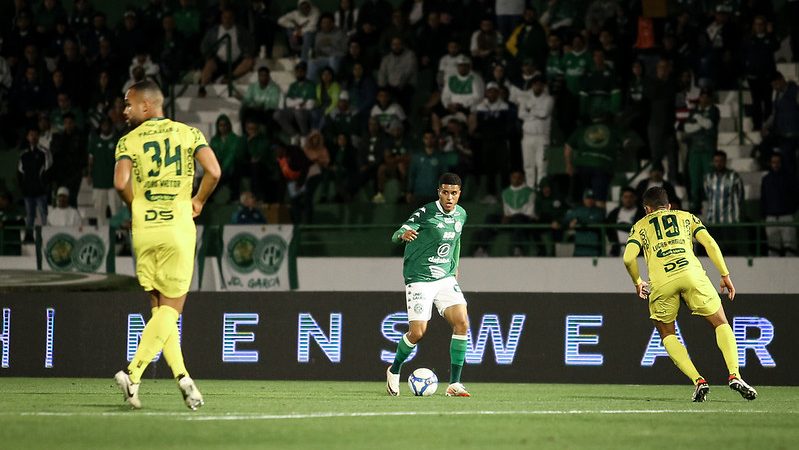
162	154
666	239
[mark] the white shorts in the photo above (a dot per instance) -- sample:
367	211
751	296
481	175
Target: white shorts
421	296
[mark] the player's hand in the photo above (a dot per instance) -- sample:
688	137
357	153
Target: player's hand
409	235
196	207
726	284
642	289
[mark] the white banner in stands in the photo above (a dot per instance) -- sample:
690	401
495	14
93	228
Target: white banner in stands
256	257
75	249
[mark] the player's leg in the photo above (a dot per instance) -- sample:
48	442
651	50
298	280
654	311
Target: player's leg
419	302
725	339
452	306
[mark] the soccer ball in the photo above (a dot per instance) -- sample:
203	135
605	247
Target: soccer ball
423	382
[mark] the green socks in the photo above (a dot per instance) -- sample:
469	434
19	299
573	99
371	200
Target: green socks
457	355
404	350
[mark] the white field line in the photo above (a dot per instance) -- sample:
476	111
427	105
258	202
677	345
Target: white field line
324	415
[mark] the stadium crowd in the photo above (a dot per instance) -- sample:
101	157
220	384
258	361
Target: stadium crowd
486	90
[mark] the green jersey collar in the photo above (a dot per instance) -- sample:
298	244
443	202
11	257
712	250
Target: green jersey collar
441	208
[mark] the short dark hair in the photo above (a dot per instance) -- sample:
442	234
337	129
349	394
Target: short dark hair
450	178
721	153
628	189
656	197
263	69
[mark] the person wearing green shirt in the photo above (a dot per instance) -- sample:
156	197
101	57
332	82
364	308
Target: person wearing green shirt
262	99
702	135
265	174
550	208
423	173
576	64
187	19
295	117
600	92
432	238
102	147
587	241
518	201
229	150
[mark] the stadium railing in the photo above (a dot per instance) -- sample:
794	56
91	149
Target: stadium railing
373	240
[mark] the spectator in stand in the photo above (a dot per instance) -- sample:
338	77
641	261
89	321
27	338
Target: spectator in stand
327	93
535	110
64	214
362	91
778	203
783	123
485	46
187	20
591	154
102	146
551	209
685	102
701	134
625	215
26	99
455	145
21	34
655	179
462	92
558	16
90	39
614	57
30	57
136	75
330	45
759	64
724	191
396	159
661	92
264	170
216	56
129	37
56	87
45	131
300	25
61	34
69	157
398	72
171	50
518	203
720	56
262	100
490	124
555	66
398	28
295	117
65	107
117	116
229	150
80	18
248	212
341	120
369	38
261	26
433	37
509	14
575	63
344	168
600	92
151	15
32	173
528	40
319	158
346	17
636	114
76	72
386	111
587	241
354	56
107	61
448	64
142	59
370	154
425	168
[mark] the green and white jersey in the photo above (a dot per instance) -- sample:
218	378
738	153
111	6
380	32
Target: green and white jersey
435	252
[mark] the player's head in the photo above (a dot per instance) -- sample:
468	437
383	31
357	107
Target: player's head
449	190
143	101
656	198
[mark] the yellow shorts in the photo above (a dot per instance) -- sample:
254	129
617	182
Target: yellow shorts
698	292
165	259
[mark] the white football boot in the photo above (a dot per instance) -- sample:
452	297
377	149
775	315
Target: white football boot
130	390
457	390
740	386
392	383
191	395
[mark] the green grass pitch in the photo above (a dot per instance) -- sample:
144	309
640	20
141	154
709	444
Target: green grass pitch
62	413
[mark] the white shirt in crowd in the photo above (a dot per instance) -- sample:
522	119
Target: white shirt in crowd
63	217
536	112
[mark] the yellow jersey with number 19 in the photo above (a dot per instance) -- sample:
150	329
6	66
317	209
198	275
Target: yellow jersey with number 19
162	153
666	238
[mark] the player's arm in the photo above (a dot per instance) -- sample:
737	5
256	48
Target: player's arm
211	174
409	230
631	252
122	179
714	253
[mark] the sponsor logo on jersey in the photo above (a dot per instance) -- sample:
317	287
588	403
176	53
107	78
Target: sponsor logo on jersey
418	308
449	220
448	235
662	253
154	197
458	226
437	272
440	225
443	250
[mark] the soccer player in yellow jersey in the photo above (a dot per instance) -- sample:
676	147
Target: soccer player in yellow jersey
154	174
666	238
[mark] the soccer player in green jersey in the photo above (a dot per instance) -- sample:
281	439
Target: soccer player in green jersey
665	236
432	237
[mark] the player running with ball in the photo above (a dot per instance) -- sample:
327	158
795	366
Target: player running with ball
432	237
666	238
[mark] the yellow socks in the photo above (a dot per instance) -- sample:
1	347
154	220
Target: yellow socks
679	355
726	342
155	334
173	353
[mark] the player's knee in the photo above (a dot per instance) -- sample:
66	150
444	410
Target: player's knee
415	335
460	327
